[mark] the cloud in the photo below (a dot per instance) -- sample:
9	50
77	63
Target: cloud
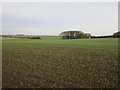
52	17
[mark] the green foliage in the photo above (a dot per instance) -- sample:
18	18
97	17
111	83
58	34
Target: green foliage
57	63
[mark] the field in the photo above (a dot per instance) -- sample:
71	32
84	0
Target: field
57	63
11	37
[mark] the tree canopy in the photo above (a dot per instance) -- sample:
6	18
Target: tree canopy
117	34
74	35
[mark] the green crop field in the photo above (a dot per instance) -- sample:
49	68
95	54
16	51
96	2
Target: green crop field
57	63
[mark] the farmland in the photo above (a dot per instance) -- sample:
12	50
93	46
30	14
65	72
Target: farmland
57	63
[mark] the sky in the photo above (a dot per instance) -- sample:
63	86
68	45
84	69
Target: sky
52	18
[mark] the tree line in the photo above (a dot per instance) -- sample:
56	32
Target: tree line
115	35
22	36
74	35
80	34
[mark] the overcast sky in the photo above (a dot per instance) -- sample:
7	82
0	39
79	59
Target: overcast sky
44	18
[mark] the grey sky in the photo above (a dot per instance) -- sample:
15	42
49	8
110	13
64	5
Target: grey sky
100	18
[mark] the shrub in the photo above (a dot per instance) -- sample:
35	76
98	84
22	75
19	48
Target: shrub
34	37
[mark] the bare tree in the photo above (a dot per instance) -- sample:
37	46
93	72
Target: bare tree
117	34
74	35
